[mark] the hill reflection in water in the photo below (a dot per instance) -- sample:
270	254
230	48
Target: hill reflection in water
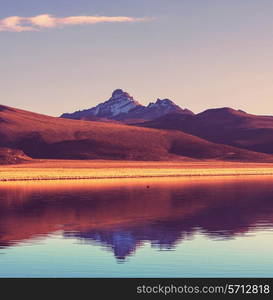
121	215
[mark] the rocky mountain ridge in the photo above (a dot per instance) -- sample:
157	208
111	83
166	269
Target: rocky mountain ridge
123	107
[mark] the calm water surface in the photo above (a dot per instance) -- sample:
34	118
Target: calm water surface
195	227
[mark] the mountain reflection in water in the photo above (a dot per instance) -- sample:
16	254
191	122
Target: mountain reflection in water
121	215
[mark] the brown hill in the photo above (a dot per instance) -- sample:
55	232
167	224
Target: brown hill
41	136
225	126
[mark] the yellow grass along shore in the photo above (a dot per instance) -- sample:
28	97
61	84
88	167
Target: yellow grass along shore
65	170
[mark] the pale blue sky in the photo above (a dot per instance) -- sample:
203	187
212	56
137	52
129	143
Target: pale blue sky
199	53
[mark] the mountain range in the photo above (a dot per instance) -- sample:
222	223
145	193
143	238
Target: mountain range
220	125
123	129
122	107
224	126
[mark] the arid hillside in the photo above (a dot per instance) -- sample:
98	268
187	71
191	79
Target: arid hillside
40	136
224	126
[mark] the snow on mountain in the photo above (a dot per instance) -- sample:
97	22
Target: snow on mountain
120	102
122	107
152	111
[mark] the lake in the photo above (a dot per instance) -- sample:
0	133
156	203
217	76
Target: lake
172	227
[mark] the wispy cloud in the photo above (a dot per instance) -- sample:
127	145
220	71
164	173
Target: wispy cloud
36	23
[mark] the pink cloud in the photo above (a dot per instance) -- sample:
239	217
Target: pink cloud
36	23
14	23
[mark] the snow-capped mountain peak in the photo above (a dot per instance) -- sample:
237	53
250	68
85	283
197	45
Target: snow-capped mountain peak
121	106
120	102
118	93
162	103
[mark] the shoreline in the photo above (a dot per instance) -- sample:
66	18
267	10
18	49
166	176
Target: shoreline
44	176
54	170
132	177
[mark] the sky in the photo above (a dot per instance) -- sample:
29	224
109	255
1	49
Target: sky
59	56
